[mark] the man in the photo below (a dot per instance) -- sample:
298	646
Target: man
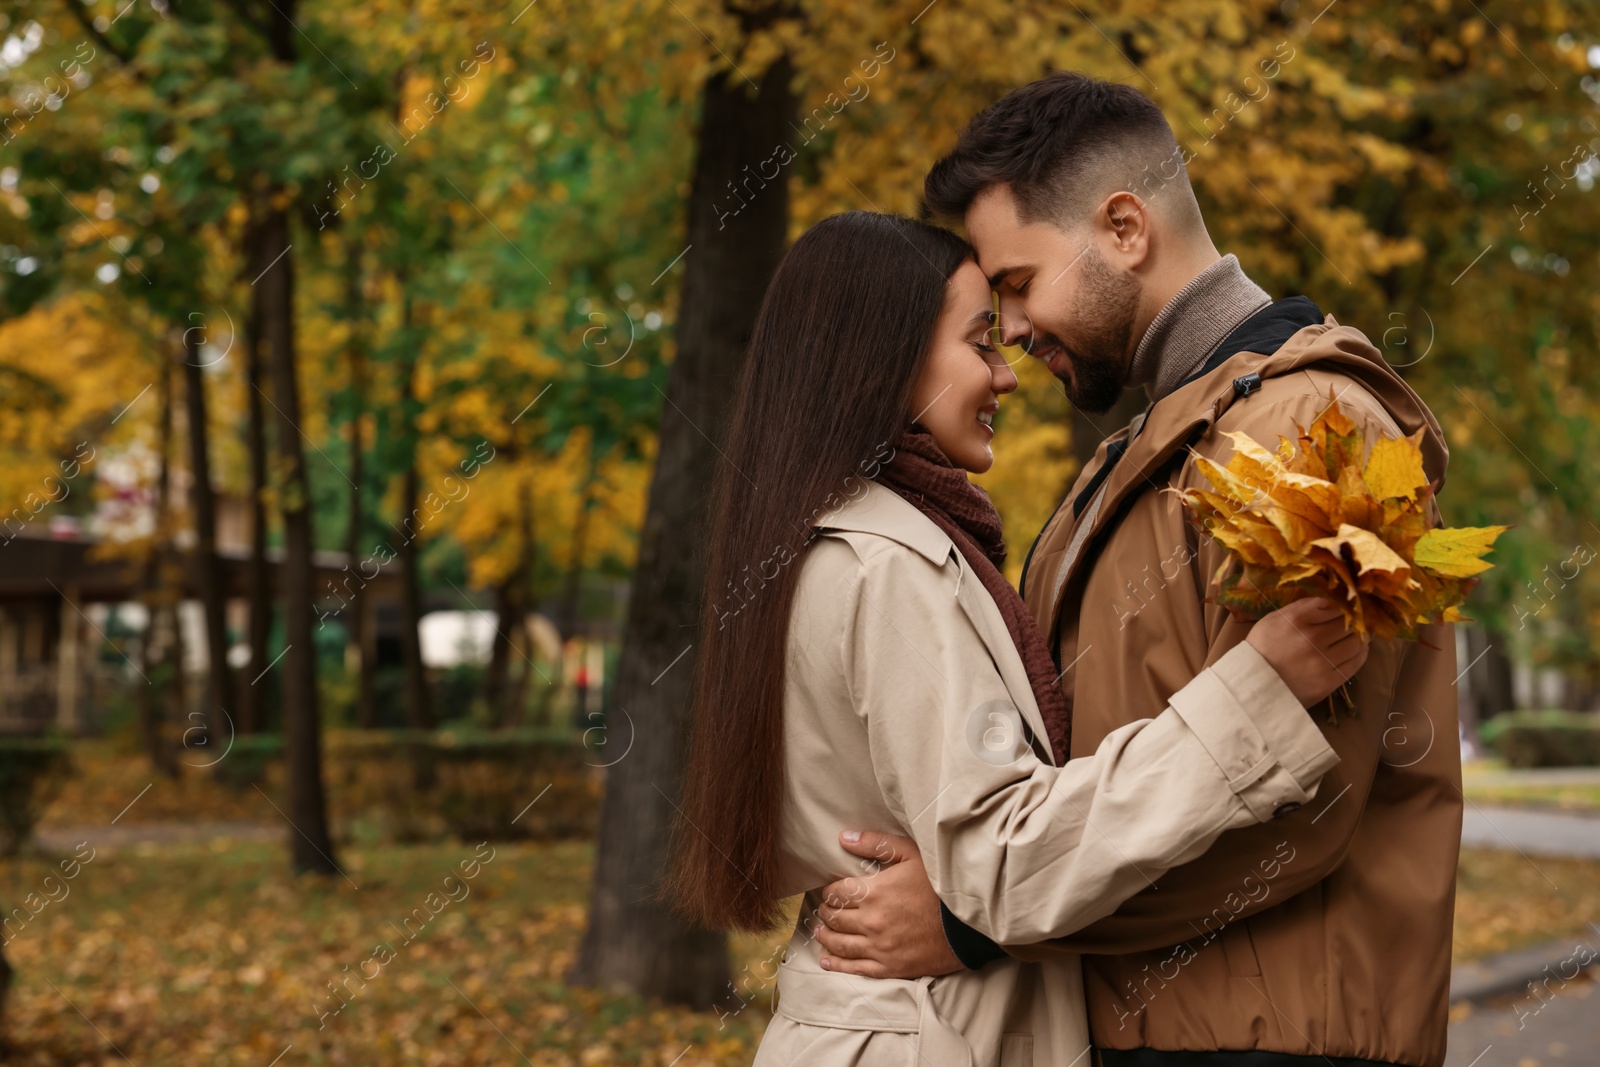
1322	936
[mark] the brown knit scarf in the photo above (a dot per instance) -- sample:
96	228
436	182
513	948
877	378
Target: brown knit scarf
927	480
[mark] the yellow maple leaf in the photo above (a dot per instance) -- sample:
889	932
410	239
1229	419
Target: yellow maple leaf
1313	519
1366	548
1395	467
1455	551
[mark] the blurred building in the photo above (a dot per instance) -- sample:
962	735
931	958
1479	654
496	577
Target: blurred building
71	616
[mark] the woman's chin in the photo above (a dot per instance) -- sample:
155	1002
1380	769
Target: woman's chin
978	459
973	455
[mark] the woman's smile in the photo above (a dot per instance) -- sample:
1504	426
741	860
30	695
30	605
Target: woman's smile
958	391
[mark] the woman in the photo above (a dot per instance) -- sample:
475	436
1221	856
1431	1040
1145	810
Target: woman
863	663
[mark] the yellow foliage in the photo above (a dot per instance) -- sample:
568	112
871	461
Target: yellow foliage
1312	520
93	368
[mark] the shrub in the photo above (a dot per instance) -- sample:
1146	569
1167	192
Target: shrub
1545	738
415	785
31	771
246	762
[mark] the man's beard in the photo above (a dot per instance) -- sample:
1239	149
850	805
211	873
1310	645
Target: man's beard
1099	356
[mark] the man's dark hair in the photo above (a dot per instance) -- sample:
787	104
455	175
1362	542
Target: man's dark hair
1062	144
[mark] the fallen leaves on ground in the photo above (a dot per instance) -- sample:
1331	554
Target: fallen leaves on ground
183	954
1505	900
216	954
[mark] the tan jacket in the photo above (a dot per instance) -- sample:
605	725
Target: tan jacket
1326	933
908	710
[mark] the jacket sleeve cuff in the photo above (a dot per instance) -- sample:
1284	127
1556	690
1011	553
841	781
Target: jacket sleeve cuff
1262	738
972	948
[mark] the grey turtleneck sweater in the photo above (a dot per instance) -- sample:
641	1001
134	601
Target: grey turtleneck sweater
1191	325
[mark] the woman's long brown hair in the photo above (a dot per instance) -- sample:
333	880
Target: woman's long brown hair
842	334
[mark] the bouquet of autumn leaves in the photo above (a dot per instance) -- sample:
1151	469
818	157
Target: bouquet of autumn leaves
1313	519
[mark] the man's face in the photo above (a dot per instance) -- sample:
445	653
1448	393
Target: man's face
1059	297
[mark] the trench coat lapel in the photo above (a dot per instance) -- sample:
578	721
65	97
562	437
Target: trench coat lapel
884	512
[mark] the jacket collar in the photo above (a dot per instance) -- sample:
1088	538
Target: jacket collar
1190	326
880	510
1176	420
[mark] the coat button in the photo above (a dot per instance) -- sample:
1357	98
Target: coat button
1284	809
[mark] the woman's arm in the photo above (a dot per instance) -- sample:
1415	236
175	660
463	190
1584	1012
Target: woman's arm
1025	851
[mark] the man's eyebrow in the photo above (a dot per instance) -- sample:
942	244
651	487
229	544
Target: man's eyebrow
1000	275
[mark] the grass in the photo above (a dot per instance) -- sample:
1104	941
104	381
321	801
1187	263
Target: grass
1565	797
1492	782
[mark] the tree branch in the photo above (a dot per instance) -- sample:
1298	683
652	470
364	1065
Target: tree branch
92	30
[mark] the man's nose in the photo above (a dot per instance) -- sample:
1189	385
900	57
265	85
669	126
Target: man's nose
1015	326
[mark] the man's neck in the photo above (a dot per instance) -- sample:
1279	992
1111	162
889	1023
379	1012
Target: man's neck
1191	323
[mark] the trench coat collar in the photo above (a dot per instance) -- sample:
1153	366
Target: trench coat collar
882	511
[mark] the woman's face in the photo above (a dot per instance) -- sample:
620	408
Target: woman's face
958	392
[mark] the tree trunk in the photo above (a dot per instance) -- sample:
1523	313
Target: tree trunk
1493	679
208	567
258	579
311	848
1488	673
570	607
157	649
635	941
419	703
511	622
357	648
517	713
500	650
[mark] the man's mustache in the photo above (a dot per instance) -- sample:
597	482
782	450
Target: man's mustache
1042	342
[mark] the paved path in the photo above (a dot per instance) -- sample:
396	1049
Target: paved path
1553	1029
65	837
1540	833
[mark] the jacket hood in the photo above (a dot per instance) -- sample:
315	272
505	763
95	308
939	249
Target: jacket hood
1195	407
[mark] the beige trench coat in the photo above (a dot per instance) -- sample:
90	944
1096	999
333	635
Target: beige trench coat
905	712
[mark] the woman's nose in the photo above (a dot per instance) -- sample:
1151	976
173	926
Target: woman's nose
1002	379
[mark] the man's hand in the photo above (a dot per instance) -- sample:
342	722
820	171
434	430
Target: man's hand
1309	645
885	924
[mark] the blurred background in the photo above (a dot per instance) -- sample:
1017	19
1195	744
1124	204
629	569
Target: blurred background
362	367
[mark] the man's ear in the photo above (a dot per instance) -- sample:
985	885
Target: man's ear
1125	220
